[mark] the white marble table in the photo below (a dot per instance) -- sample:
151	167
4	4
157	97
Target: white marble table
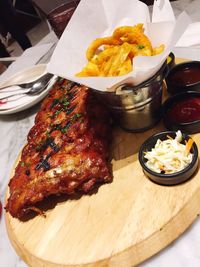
184	252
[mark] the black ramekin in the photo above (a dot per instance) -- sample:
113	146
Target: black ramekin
167	179
187	127
175	87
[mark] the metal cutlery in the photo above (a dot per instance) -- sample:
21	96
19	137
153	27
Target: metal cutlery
31	88
42	78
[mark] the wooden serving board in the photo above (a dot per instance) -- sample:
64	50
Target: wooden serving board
122	224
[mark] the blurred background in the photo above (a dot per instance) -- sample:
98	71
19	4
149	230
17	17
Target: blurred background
36	18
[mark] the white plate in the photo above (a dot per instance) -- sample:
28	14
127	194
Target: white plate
27	75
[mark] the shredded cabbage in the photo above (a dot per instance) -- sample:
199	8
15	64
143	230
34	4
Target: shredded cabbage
168	156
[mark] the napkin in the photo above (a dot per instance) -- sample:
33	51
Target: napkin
29	58
15	101
162	11
102	18
191	37
21	99
26	61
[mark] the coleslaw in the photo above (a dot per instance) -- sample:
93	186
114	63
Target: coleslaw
169	156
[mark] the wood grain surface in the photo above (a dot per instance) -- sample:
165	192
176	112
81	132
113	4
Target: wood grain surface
122	224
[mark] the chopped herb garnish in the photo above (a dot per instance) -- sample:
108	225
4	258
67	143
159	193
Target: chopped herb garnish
66	127
61	80
70	85
64	102
58	127
70	95
63	87
58	112
64	130
69	110
140	46
25	164
54	103
78	115
61	128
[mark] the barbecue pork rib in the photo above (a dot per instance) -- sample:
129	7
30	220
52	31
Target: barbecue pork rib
67	149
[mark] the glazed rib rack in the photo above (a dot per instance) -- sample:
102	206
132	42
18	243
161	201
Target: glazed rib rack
67	149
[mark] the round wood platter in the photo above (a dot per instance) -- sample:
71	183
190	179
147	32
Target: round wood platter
121	224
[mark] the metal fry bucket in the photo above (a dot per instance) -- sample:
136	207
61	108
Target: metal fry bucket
137	108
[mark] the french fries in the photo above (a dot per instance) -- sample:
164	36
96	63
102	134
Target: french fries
112	56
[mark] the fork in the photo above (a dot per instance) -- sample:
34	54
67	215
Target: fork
32	88
46	76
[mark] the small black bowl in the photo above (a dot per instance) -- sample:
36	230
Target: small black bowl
184	77
167	179
171	124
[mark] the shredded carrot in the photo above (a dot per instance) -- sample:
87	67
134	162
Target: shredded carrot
188	146
162	167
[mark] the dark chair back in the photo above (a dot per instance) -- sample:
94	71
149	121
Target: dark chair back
60	16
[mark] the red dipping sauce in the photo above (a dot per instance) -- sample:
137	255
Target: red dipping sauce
187	76
185	110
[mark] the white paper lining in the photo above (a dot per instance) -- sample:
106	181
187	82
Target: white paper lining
93	19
